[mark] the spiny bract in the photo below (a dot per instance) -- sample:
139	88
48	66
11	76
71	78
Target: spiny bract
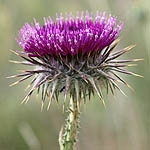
72	55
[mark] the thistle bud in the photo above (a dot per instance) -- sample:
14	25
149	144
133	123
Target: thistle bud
73	55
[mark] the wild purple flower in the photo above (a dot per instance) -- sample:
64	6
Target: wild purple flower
72	55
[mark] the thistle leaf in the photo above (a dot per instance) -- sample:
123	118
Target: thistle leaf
125	61
36	84
115	85
122	80
96	89
52	93
21	62
110	50
119	53
19	75
106	75
126	72
22	79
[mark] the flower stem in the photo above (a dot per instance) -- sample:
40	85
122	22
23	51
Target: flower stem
69	138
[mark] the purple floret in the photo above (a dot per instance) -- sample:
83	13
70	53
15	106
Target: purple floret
69	35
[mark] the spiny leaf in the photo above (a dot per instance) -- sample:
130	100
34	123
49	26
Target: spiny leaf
99	87
119	53
21	62
22	79
111	88
96	89
108	53
33	61
89	93
32	81
42	105
36	84
125	61
126	72
122	80
106	75
56	95
56	98
122	51
114	84
117	65
107	85
13	51
43	91
55	77
19	75
36	71
52	93
42	64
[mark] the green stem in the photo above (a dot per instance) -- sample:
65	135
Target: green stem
69	138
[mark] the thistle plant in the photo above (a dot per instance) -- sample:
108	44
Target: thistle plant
75	56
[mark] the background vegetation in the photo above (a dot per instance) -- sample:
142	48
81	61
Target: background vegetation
124	125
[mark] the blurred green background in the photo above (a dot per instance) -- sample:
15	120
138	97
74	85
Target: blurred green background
124	125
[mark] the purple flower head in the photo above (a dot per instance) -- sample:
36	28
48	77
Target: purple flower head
69	35
72	55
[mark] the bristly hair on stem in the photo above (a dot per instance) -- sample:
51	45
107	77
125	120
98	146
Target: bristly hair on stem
73	55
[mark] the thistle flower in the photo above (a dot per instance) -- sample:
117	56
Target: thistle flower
74	55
